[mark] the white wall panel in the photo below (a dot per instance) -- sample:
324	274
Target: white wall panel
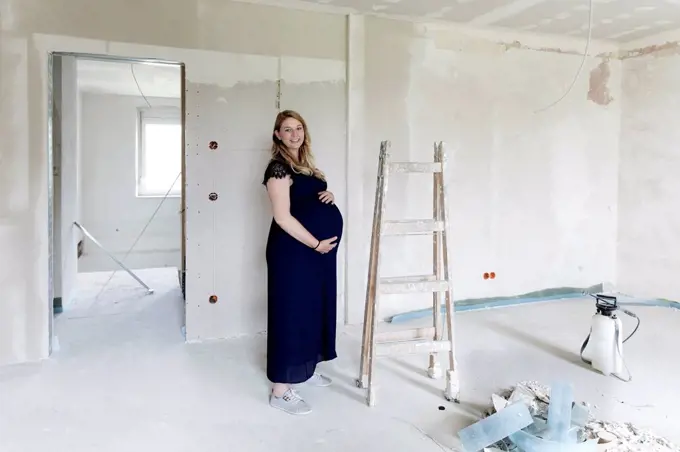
649	187
226	237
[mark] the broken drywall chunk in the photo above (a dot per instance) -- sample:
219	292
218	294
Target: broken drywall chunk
625	437
534	396
498	402
580	415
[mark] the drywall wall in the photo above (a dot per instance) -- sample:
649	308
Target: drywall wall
532	195
231	98
231	231
111	210
649	188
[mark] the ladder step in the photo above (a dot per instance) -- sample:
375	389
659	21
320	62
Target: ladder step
415	167
411	347
412	227
412	284
405	335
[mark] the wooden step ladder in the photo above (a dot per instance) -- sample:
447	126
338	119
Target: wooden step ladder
421	340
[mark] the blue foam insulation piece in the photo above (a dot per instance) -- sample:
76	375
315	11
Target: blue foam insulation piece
494	428
559	411
478	305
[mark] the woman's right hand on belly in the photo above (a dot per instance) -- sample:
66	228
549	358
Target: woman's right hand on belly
327	245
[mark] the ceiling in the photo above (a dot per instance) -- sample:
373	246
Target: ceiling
616	20
115	77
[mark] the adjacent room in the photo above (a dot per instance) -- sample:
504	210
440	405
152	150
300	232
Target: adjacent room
117	240
542	221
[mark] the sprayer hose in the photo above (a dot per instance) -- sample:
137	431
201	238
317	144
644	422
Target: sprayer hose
636	326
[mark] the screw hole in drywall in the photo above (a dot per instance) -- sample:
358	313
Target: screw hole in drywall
492	275
485	276
212	299
213	145
212	196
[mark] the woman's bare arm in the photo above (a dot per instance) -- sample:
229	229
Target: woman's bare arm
279	195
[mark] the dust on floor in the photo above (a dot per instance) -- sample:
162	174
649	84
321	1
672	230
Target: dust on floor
125	380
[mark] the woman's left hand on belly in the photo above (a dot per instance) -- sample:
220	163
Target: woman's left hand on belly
326	197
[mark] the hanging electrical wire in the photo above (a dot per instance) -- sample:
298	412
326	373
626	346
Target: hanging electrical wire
583	60
134	77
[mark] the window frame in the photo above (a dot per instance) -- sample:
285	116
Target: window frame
155	115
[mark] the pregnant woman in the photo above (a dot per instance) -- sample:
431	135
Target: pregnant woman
301	265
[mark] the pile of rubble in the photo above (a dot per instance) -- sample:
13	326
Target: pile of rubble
610	436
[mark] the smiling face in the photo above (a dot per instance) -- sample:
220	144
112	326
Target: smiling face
292	134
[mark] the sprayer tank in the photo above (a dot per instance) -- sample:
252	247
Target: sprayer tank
605	347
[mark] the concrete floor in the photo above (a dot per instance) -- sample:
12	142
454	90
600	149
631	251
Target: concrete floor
124	380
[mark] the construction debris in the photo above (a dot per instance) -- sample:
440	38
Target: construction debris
559	426
617	437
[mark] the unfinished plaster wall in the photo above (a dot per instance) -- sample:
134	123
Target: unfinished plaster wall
532	194
232	230
649	187
232	75
111	211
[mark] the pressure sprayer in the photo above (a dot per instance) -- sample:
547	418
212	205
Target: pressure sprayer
603	348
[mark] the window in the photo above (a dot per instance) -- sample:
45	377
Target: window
159	153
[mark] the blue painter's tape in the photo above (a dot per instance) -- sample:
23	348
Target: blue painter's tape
503	303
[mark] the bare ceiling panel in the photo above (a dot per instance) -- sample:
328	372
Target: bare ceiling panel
620	20
612	19
461	11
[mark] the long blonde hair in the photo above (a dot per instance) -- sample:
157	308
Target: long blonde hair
304	164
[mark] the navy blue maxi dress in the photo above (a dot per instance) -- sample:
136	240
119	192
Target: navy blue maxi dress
301	283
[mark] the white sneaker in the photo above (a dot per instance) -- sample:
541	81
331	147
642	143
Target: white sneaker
319	380
290	402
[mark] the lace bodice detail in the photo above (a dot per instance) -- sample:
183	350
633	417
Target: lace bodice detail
277	170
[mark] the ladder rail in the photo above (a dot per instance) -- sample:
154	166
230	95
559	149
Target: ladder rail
370	314
434	369
452	392
384	173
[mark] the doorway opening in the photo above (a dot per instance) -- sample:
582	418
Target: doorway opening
116	204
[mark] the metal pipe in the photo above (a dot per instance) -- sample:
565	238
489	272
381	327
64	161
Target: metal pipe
89	236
